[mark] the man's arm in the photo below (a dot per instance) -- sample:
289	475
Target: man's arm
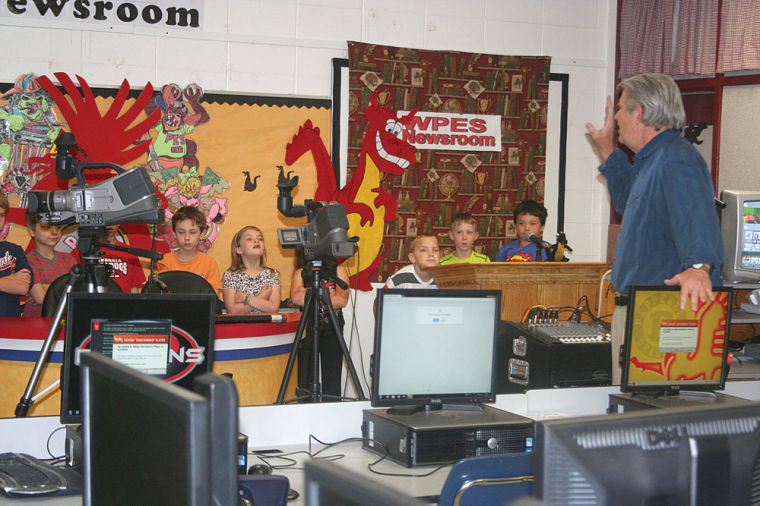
692	225
695	286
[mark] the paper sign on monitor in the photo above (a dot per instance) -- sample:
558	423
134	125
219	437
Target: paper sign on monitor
678	336
141	344
439	315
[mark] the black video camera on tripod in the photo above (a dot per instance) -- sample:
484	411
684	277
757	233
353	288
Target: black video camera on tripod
323	240
127	197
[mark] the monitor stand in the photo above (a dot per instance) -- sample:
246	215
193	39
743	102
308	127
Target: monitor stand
419	408
625	402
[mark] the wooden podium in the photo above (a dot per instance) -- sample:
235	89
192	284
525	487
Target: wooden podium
526	284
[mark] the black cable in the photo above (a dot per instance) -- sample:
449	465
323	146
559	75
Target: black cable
54	458
371	464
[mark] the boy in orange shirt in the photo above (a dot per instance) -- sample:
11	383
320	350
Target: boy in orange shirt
188	224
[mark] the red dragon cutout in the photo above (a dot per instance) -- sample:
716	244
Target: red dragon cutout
368	206
111	137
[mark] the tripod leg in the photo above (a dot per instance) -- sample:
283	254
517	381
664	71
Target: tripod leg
22	409
342	342
294	349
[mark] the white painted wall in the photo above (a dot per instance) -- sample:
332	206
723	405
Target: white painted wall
285	47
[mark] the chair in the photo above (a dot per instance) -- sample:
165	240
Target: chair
265	490
58	287
180	282
488	480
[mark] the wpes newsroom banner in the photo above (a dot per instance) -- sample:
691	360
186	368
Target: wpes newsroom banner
453	131
184	14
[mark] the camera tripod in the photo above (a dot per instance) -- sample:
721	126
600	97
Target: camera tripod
316	295
96	276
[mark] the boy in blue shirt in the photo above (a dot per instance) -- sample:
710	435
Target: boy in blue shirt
530	218
15	272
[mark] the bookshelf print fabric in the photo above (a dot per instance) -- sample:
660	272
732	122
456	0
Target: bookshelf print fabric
487	184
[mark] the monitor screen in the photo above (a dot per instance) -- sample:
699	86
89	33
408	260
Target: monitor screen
750	236
434	347
170	336
145	441
740	231
708	454
667	349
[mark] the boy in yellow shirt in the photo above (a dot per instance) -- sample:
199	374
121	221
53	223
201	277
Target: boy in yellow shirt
464	233
188	224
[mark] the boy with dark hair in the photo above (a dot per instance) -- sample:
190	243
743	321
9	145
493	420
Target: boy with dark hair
48	264
530	219
15	271
423	252
464	232
188	224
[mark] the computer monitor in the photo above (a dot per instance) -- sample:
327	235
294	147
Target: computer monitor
696	455
329	484
740	230
168	335
145	441
667	350
434	347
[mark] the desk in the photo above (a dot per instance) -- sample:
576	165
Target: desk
255	354
288	427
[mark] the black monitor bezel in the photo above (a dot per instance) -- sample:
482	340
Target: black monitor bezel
458	398
125	302
190	410
676	387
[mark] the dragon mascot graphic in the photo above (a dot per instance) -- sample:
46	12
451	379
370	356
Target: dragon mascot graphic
368	206
650	365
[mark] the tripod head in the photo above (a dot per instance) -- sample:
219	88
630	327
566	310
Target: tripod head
318	272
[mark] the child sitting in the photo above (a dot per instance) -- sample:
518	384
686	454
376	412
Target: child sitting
47	263
188	223
530	218
15	271
249	286
423	253
464	232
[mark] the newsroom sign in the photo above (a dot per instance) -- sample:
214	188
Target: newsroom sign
153	13
450	131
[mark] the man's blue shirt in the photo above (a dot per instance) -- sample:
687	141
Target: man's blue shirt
669	217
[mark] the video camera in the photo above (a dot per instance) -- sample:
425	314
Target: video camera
126	197
324	236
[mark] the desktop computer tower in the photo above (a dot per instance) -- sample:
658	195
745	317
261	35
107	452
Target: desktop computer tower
445	435
627	402
548	355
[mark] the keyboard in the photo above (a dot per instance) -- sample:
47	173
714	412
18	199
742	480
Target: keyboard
22	475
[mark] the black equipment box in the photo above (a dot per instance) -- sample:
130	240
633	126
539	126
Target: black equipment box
624	403
547	355
445	435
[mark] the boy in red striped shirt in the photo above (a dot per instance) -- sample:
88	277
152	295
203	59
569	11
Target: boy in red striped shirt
47	263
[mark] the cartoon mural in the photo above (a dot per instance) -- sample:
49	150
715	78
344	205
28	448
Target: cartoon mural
367	204
174	166
28	127
110	124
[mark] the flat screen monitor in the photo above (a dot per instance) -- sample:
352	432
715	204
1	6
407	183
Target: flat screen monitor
697	455
434	347
740	231
329	484
170	336
667	349
150	442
